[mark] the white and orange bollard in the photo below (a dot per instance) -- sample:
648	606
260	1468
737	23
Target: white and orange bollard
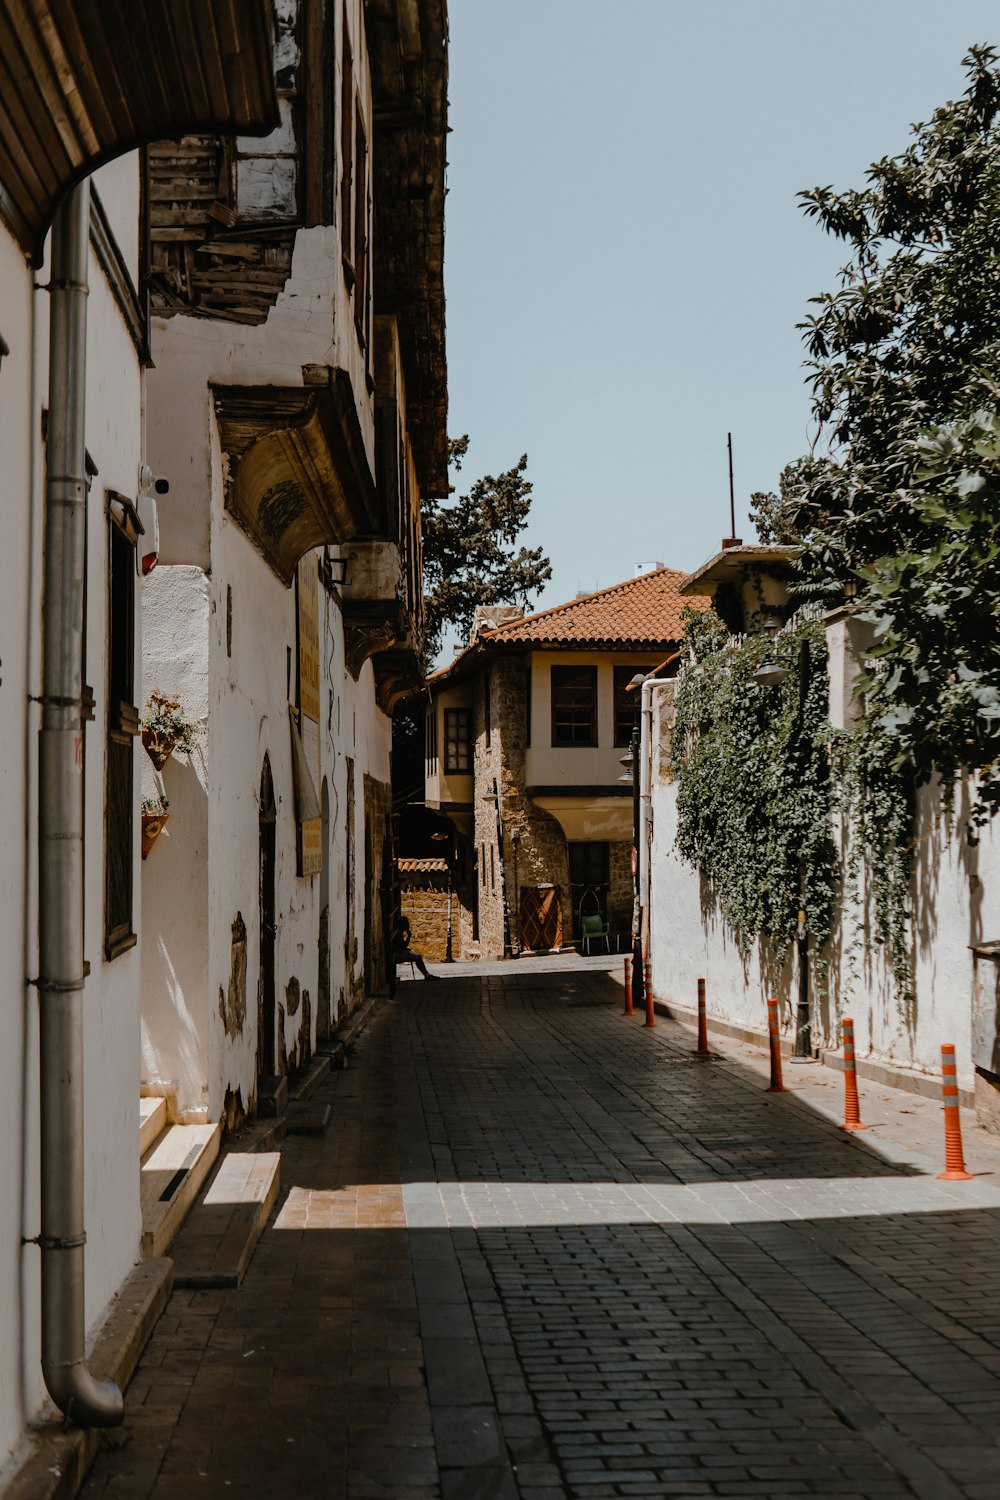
954	1160
852	1108
647	971
776	1085
702	1048
627	1011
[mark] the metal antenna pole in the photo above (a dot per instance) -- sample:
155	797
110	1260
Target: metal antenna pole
732	497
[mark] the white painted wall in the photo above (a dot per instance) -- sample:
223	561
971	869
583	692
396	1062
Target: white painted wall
110	1007
957	903
176	608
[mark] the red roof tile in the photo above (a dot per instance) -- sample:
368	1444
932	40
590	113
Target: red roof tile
643	612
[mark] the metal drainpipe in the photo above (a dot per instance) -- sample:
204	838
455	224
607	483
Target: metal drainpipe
646	784
84	1400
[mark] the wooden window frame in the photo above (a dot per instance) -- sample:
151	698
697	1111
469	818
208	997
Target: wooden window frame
454	744
360	228
122	730
347	155
574	743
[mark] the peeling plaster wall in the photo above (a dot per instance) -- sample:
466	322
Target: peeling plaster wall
957	903
110	1003
211	869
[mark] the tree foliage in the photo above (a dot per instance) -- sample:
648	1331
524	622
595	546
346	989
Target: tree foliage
471	556
908	341
935	684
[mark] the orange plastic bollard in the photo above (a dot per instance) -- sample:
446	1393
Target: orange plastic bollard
954	1161
647	970
852	1109
774	1044
703	1047
628	988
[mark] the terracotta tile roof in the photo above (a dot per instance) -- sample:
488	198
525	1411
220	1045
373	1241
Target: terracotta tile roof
640	613
421	866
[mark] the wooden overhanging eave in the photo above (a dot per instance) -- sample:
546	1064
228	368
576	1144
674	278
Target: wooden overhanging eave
298	474
84	81
408	47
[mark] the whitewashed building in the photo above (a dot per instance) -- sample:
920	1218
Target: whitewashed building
954	932
298	404
73	352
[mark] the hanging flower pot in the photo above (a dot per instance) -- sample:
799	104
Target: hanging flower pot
158	752
152	827
166	728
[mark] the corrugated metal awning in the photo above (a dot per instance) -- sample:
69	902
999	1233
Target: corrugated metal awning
82	81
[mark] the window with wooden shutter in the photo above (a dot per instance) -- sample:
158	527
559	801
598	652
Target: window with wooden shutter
574	706
347	155
122	728
360	230
457	727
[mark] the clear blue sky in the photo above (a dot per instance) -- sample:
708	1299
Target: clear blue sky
625	257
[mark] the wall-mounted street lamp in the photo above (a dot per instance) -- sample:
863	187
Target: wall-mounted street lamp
333	570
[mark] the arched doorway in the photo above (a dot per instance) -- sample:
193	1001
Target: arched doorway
266	1016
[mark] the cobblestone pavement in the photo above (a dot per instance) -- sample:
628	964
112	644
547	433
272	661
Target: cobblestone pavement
543	1253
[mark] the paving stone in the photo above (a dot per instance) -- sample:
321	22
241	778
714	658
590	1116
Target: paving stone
540	1254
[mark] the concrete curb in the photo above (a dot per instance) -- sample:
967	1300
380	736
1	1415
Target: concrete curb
58	1460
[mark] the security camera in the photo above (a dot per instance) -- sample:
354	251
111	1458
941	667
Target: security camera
152	484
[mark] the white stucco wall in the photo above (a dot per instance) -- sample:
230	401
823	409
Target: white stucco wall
110	1004
175	998
956	903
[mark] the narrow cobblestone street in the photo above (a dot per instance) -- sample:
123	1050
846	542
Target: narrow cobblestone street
543	1252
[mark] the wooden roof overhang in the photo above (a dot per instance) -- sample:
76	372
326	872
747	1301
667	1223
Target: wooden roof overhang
83	81
298	475
408	47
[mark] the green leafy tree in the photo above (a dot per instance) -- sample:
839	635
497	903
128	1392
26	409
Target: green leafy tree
471	556
909	340
935	688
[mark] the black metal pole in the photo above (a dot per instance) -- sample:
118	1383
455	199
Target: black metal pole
638	975
803	1032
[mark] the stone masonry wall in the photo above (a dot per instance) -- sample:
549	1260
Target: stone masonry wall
542	854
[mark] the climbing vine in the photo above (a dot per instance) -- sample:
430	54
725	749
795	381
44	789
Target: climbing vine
754	787
762	781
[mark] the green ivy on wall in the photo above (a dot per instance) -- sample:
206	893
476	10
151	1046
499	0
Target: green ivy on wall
762	780
755	795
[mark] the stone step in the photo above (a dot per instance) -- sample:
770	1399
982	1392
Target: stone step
152	1122
219	1237
308	1082
173	1171
308	1118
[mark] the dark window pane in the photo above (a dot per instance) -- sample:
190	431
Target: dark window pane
574	706
457	750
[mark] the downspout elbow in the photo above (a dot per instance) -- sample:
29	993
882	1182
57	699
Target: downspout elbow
80	1396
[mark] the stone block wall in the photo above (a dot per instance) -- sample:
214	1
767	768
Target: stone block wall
542	855
423	897
620	890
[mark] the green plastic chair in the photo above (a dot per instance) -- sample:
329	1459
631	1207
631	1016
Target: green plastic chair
592	928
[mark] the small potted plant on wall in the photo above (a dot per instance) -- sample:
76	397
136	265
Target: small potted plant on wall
154	815
166	728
